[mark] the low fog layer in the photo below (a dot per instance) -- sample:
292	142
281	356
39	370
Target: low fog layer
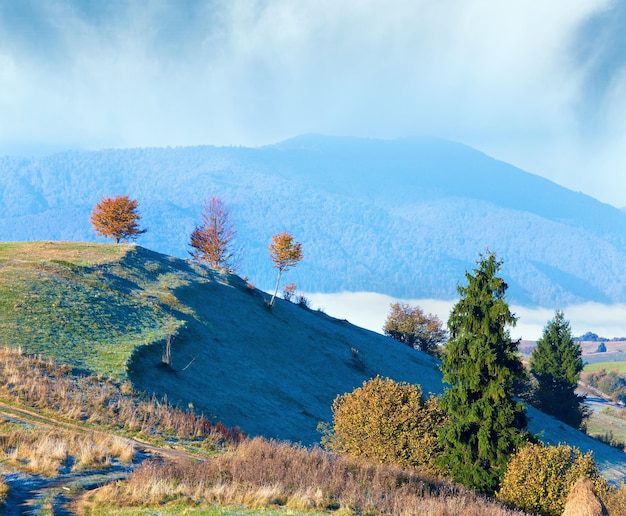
369	310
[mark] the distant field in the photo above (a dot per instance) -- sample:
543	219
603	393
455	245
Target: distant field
605	423
620	367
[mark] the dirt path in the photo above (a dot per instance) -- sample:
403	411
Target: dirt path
34	494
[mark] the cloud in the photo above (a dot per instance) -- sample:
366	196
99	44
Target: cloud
526	81
369	310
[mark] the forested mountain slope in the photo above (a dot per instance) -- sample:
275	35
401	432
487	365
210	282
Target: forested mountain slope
400	217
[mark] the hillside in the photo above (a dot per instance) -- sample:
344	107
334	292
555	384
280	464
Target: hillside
399	217
273	373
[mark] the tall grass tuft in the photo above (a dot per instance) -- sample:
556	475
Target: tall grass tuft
48	452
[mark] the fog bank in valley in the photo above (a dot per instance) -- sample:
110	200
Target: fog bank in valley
369	310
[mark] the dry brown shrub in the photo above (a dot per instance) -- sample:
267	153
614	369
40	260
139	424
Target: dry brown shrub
259	473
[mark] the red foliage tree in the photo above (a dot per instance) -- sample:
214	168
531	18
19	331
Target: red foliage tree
213	240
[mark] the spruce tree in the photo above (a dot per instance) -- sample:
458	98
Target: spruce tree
556	364
481	364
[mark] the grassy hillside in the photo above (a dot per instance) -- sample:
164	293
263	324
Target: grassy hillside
85	304
108	309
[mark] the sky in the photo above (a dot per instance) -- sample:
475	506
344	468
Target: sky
541	85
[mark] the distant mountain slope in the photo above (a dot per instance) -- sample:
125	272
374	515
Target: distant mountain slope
273	373
400	217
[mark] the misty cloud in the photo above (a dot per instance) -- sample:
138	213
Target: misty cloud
369	310
524	81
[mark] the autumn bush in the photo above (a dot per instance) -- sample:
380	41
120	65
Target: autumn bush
387	422
411	326
614	498
539	478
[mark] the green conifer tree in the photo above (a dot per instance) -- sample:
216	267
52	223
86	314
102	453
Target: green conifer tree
556	364
481	364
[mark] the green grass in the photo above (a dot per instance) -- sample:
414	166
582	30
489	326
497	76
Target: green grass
620	367
89	305
606	423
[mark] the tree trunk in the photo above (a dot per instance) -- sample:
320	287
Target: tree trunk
276	289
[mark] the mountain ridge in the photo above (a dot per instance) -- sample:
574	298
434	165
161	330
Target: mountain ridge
400	217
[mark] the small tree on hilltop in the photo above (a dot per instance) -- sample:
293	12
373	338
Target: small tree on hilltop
285	252
412	327
117	218
213	240
556	364
482	366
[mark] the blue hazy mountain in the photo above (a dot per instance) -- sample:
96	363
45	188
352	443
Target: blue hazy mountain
402	217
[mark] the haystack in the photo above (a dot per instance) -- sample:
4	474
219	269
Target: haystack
583	501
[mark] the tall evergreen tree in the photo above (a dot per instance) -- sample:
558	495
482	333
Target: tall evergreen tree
481	364
556	364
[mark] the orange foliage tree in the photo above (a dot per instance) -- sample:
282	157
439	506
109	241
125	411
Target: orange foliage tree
117	218
285	252
411	326
213	240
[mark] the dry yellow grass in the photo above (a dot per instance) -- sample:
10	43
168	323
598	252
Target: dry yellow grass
48	387
261	473
74	252
46	452
4	490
